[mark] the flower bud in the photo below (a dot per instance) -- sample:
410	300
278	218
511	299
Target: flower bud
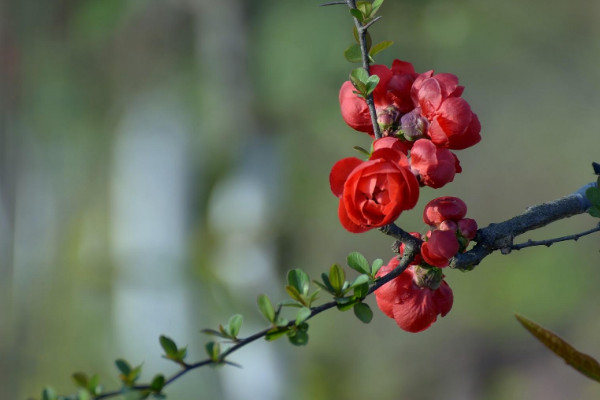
414	125
467	228
444	208
388	119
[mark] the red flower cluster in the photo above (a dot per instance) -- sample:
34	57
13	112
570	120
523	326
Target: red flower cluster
425	111
422	117
409	299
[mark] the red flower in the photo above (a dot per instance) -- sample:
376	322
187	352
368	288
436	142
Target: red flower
414	308
452	124
393	89
373	193
440	248
444	208
435	166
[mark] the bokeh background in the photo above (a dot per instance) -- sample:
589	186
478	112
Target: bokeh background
164	162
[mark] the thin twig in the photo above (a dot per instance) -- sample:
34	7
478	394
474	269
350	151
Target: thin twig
550	242
333	3
362	39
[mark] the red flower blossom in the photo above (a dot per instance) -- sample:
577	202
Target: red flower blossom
393	89
444	208
435	166
452	124
373	193
440	248
413	307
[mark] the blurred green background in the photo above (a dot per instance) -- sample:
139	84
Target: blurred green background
164	162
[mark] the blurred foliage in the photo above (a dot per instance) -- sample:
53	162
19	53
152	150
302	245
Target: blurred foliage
163	162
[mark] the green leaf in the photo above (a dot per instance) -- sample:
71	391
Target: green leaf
123	366
181	354
275	333
337	277
94	385
359	75
81	380
357	14
359	280
293	293
266	307
365	7
361	291
83	395
328	286
158	382
353	53
363	312
49	394
281	322
168	345
213	349
582	362
379	47
372	83
358	262
298	338
302	315
235	324
213	332
375	6
377	264
593	195
300	280
290	303
594	212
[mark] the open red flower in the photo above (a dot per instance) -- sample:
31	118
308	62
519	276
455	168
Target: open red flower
440	248
414	308
452	124
373	193
435	166
444	208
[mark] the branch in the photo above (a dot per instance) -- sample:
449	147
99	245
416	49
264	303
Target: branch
362	38
550	242
500	236
405	261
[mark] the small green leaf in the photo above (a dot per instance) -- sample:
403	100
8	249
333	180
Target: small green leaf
375	6
359	280
372	83
81	379
275	333
365	7
357	14
298	338
379	47
134	374
593	195
337	277
94	386
361	150
213	332
289	303
377	264
123	366
329	288
83	395
49	394
345	303
363	312
594	212
168	345
181	354
353	53
300	280
582	362
266	307
358	262
281	322
361	291
158	382
359	75
293	293
213	349
302	315
235	324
